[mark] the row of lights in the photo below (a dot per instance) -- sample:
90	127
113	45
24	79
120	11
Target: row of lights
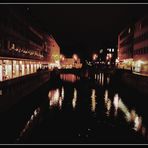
109	55
30	52
75	57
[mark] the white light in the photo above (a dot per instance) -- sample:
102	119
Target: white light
116	101
74	98
54	96
129	30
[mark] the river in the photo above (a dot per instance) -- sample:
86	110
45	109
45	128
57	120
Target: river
74	110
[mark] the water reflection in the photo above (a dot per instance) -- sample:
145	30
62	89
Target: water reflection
116	104
125	110
69	77
67	96
93	100
29	123
95	76
106	96
130	116
100	78
62	93
74	101
108	103
108	80
56	97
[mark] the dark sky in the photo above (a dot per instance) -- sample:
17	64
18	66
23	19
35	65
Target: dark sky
82	28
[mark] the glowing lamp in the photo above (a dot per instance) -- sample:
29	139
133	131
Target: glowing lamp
75	57
95	56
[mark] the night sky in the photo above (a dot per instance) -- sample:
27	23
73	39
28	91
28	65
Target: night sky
82	29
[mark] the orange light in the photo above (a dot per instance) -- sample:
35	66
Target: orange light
62	57
75	57
95	56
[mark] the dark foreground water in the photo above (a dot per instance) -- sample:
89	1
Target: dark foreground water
75	110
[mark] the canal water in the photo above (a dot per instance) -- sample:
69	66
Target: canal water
78	110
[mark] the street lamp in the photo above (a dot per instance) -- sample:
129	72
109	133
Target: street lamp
75	57
95	56
62	57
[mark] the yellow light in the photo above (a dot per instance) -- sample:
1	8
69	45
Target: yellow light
62	57
93	104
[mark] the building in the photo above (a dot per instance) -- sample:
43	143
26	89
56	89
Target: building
69	63
133	47
125	47
140	49
54	53
23	48
111	56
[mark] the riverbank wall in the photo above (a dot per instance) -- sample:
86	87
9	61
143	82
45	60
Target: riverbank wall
12	91
137	82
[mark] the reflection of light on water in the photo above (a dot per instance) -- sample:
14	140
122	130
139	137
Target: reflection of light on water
133	115
108	80
108	107
29	122
101	79
69	77
60	103
106	96
124	109
143	131
95	76
138	123
74	98
93	100
107	103
133	118
116	103
62	93
55	98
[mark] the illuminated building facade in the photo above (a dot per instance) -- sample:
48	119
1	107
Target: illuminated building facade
111	56
140	50
54	53
69	63
23	49
125	48
133	47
